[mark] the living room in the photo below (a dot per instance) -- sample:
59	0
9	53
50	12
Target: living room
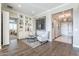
34	26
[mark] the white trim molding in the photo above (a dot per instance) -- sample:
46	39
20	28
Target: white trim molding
76	46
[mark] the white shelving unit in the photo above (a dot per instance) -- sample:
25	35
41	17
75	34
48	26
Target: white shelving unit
28	26
25	26
20	26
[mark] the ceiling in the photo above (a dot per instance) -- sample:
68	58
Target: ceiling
32	9
64	16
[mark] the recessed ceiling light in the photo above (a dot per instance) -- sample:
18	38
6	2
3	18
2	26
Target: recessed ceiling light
19	6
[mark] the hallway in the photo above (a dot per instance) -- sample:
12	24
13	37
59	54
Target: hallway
61	24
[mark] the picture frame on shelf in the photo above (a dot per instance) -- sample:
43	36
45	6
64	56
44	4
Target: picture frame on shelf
26	22
29	18
21	16
21	26
21	22
26	17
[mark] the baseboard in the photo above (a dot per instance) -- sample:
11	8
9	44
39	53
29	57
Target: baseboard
0	46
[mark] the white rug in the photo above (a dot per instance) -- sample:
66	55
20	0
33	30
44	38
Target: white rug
32	44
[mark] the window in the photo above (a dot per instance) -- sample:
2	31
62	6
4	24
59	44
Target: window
12	25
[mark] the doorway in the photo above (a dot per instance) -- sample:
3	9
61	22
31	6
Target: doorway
12	28
63	26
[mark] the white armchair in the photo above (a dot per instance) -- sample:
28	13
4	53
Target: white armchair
42	36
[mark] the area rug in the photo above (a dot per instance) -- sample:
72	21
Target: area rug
32	44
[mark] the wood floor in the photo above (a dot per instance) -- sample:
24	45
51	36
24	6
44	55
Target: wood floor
19	48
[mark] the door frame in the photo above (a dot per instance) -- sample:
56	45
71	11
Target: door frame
60	25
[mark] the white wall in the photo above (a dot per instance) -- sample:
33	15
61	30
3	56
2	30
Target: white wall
66	28
56	28
0	25
76	27
75	20
5	28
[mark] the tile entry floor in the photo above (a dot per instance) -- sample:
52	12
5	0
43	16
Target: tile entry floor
64	39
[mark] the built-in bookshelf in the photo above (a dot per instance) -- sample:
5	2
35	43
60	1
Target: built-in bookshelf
20	27
28	26
25	26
